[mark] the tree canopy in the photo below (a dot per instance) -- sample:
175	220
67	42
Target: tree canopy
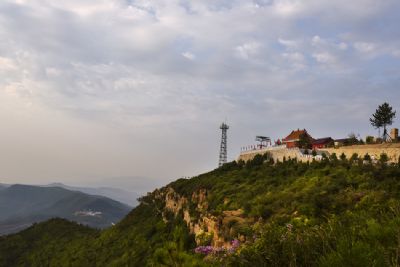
383	116
304	141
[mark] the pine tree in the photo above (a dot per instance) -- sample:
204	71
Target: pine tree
304	141
383	117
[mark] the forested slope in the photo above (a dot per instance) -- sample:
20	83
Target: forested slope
329	213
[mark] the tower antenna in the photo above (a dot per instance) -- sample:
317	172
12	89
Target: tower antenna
223	148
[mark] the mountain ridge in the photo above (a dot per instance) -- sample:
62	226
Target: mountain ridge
124	196
22	205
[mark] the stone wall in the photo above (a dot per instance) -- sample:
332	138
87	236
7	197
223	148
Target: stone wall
278	153
390	149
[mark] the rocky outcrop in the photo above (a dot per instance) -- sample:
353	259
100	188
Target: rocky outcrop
205	226
174	202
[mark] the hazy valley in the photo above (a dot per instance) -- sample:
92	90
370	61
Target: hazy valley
22	205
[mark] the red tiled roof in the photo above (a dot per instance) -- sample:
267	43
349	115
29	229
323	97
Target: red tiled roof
322	141
295	135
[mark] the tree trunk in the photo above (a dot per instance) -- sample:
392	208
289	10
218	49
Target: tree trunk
386	137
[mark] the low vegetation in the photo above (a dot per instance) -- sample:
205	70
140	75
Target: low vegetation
336	212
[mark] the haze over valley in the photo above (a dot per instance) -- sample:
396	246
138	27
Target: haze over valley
23	205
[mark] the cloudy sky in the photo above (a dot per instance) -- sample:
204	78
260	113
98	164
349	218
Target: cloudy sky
97	89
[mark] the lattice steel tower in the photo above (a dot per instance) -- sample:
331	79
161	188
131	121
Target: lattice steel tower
223	151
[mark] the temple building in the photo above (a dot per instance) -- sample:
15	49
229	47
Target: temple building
322	143
294	137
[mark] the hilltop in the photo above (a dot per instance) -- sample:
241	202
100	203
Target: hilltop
326	213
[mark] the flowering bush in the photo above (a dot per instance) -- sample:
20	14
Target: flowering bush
206	250
234	246
235	243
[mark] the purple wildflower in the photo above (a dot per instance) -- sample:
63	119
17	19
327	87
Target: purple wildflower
234	246
235	243
204	250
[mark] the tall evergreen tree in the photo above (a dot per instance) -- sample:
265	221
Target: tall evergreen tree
304	141
383	116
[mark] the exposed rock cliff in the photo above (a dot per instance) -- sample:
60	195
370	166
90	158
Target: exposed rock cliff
215	229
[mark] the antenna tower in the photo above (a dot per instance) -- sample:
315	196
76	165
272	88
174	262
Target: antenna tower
223	151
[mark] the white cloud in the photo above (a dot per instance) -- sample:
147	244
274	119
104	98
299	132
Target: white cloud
343	46
119	70
364	47
396	53
289	44
288	7
53	72
7	64
189	55
325	58
247	50
316	40
297	57
296	60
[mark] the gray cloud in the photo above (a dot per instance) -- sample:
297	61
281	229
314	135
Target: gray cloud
112	88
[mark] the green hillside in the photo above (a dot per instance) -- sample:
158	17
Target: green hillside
329	213
51	243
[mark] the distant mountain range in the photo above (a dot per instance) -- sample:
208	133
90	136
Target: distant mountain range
2	186
124	196
23	205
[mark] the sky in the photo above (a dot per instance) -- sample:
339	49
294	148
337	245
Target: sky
118	92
